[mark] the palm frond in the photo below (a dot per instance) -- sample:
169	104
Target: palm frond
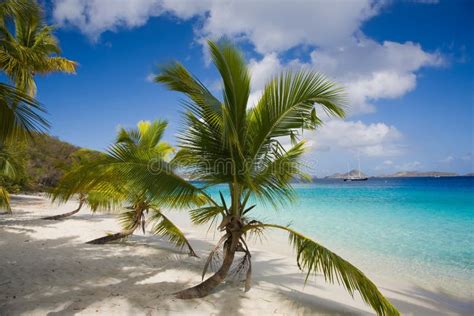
5	200
7	166
177	78
58	64
287	105
235	75
213	255
271	178
105	200
165	227
205	214
314	258
130	220
28	46
20	115
146	135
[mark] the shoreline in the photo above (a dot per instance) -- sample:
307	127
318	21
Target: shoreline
47	267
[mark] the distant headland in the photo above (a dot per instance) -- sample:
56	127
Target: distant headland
400	174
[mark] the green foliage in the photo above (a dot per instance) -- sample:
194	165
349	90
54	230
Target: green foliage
163	226
41	162
226	142
314	258
206	214
20	115
120	176
28	46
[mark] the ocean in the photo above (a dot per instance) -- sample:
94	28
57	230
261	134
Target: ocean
420	230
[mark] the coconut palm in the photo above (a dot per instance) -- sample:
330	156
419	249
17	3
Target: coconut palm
94	201
20	115
104	180
230	142
28	46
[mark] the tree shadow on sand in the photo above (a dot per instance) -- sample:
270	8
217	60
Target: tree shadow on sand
37	277
64	276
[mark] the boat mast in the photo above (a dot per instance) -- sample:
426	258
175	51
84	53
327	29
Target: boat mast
358	158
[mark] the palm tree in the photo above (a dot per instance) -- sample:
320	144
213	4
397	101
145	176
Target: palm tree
228	142
29	47
20	114
80	158
103	181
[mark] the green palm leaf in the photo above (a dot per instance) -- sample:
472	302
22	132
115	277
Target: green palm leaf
28	46
287	105
20	115
205	214
314	258
5	200
163	226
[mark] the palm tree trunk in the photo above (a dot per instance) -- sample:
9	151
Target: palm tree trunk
110	238
61	216
118	236
206	287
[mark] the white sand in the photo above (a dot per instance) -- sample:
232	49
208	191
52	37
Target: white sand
45	268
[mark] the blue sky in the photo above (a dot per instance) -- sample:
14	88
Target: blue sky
407	67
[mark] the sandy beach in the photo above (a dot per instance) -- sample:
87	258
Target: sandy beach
47	269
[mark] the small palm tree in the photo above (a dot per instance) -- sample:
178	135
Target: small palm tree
29	47
103	180
80	158
227	142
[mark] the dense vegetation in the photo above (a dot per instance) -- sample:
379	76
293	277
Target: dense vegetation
40	163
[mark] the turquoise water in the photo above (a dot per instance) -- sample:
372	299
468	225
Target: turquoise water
419	229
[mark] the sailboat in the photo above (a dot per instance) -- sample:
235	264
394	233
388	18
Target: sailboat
359	178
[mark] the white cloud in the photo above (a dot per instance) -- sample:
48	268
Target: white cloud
378	85
457	159
369	70
263	70
375	140
448	159
150	77
270	26
409	166
372	71
93	17
277	26
467	157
